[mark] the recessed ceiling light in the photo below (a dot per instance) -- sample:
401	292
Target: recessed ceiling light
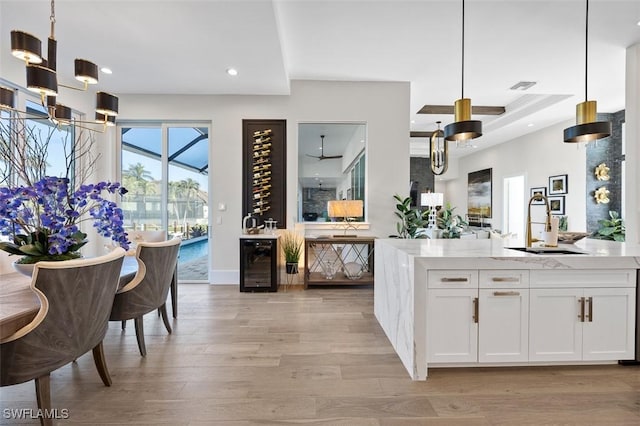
106	70
530	125
232	71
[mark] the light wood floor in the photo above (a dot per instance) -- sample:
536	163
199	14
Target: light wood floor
314	357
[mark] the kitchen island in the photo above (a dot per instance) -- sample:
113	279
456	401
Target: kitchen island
482	303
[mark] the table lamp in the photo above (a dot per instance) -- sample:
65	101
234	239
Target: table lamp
432	200
347	210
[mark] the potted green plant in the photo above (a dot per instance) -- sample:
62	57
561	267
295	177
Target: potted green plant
291	243
452	224
611	229
411	220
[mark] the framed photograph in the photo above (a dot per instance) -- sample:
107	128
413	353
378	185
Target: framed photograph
542	191
558	184
557	205
479	193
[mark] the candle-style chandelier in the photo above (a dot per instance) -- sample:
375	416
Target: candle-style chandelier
42	78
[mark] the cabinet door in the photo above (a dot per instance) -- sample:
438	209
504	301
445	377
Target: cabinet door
452	333
608	330
555	330
503	325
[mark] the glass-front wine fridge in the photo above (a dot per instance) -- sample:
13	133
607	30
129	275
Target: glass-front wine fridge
258	264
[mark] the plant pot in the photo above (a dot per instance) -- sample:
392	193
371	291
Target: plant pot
291	268
23	268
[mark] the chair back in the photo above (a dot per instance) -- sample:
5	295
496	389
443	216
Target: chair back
150	288
76	298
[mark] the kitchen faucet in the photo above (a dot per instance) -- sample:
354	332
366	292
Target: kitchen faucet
547	223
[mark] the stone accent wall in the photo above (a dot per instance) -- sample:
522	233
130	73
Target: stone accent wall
421	177
608	151
315	201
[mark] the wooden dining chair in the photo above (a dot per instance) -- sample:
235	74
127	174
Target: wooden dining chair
148	289
75	297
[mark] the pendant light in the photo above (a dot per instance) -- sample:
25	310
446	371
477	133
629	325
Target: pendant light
587	129
463	128
438	152
42	78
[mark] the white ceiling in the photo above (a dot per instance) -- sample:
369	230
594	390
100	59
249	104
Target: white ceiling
184	47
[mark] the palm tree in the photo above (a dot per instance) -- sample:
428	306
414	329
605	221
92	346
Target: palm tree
139	182
189	188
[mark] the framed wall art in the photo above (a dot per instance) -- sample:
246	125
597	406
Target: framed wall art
540	190
557	205
558	184
479	193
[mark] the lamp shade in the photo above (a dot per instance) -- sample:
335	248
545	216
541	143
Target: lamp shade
106	103
431	199
42	80
587	129
108	120
26	47
62	114
86	71
345	208
6	98
463	128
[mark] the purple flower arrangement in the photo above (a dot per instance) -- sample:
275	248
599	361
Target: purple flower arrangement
43	220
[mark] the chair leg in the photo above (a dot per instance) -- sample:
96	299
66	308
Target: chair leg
43	396
140	335
165	318
174	293
124	324
101	364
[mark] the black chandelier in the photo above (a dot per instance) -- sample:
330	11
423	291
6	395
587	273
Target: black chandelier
42	78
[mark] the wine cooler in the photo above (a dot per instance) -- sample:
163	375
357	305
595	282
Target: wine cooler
259	263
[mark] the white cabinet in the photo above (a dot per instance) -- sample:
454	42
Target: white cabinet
591	323
452	332
477	316
504	325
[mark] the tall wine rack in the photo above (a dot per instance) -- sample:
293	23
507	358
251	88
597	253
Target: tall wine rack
264	170
262	173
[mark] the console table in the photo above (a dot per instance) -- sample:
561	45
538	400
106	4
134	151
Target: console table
325	258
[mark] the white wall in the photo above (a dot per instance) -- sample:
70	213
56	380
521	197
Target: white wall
537	156
632	119
384	107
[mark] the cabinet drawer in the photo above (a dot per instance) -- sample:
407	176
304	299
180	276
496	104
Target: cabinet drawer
584	278
504	278
455	278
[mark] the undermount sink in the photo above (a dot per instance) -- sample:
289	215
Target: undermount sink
546	250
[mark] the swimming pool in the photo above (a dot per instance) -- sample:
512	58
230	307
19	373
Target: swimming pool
193	249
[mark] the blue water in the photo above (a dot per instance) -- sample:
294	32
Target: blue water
193	249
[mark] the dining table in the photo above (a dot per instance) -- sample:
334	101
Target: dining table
19	304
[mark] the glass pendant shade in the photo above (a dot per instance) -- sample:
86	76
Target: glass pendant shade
587	129
6	98
26	47
86	71
42	80
106	104
463	128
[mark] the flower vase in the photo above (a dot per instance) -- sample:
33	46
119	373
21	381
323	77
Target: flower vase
23	268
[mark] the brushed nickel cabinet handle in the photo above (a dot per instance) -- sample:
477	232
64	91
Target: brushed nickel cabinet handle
475	310
454	280
590	313
506	293
581	314
505	279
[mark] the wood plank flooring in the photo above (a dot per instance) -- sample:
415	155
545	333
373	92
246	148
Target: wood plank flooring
314	357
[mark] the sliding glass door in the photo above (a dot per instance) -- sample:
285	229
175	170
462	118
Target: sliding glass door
165	168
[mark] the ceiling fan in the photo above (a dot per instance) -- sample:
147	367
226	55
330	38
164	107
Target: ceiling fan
322	156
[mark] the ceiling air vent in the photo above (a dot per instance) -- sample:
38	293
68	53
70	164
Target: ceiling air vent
522	85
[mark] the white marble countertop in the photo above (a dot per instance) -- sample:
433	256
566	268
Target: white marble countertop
495	253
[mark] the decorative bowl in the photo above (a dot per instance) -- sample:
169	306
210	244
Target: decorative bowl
352	270
571	237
